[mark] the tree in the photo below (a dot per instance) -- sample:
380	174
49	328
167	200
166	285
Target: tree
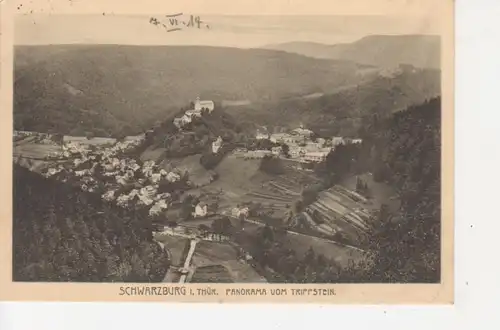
203	229
285	149
58	138
309	196
298	206
222	226
172	224
268	233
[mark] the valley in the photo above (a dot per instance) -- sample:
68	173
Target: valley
229	165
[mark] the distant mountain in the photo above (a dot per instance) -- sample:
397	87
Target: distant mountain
422	51
112	89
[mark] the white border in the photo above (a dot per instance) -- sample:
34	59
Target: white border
477	229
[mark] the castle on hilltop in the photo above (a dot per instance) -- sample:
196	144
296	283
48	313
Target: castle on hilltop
199	106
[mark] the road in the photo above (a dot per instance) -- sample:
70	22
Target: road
187	262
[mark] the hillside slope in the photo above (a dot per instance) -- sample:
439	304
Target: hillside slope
110	89
403	151
342	112
422	51
62	234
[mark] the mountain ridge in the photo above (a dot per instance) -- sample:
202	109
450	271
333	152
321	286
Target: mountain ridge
422	51
132	86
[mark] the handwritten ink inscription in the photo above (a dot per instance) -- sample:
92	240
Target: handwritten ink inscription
178	21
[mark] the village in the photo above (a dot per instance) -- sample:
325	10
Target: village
167	195
102	165
299	144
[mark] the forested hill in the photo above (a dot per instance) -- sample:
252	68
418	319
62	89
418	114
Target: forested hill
117	89
63	234
343	111
405	152
408	155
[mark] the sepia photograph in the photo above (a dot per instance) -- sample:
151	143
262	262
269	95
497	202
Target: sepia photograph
184	148
225	149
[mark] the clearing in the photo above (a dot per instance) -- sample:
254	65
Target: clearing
380	192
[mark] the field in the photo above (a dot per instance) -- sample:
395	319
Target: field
212	274
301	243
212	254
339	254
240	182
152	154
93	141
197	173
27	148
339	210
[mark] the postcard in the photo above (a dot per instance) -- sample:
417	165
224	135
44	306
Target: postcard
249	151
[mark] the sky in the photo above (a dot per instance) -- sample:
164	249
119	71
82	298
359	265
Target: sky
223	30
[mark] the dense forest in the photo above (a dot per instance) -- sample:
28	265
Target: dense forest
408	156
403	150
63	234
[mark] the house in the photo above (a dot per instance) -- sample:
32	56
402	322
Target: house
200	105
200	210
121	180
262	136
109	195
240	212
276	151
186	119
216	145
258	153
286	138
304	132
278	137
148	191
52	171
178	122
155	178
336	140
193	113
315	156
158	207
82	172
356	141
296	152
312	146
173	177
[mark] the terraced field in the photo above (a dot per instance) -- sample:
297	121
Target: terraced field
340	210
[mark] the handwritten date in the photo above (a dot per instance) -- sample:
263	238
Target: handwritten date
178	21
